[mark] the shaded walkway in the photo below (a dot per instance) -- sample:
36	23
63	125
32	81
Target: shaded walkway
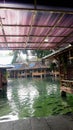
64	122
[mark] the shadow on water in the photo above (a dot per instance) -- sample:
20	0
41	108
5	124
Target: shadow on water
3	92
4	106
35	98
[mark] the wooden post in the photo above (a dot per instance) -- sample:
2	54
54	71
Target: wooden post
63	94
0	80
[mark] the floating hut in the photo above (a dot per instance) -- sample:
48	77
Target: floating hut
39	70
19	71
36	69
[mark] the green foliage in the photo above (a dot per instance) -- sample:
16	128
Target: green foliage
42	53
15	53
38	53
53	66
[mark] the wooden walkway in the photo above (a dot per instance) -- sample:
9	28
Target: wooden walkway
64	122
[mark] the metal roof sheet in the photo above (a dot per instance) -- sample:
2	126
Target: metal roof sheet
27	28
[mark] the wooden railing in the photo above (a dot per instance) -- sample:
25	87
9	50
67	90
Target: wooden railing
67	86
38	74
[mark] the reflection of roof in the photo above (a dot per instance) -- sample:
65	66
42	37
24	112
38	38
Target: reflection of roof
8	66
35	65
38	65
19	66
31	65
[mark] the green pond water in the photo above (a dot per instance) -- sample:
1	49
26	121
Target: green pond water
33	98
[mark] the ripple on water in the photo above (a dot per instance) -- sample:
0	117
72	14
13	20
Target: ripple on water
37	97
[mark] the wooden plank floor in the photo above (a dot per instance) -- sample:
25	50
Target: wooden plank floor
49	123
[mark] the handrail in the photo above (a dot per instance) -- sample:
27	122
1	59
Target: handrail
67	83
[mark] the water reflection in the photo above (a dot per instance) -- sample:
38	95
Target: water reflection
4	107
33	97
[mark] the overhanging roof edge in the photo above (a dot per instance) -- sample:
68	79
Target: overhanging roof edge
57	52
31	7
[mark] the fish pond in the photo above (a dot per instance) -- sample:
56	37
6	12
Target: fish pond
33	98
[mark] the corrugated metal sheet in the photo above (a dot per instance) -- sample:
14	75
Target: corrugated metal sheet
28	28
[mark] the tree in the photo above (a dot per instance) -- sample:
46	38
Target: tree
41	53
17	56
15	53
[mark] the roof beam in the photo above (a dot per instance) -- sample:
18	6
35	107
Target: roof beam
40	26
50	10
21	48
33	43
32	36
3	31
32	21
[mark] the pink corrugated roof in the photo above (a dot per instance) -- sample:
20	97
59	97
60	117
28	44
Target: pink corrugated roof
28	28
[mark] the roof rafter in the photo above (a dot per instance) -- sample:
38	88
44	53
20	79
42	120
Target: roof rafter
33	26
